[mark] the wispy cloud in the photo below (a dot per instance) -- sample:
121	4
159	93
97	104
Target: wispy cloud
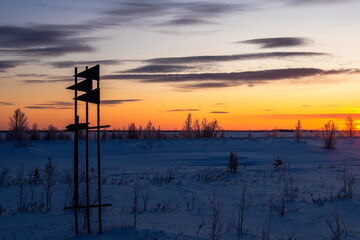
183	110
235	57
68	64
120	101
219	112
216	80
4	65
305	116
44	39
51	105
319	2
41	81
278	42
36	75
6	103
159	69
165	13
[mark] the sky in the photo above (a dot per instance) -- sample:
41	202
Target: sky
252	65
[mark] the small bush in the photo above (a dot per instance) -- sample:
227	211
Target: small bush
49	183
329	135
233	162
298	133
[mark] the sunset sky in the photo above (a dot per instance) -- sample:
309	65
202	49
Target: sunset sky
252	65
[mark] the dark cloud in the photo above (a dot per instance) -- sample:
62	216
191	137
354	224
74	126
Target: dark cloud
68	64
225	58
44	39
47	107
306	106
51	105
6	103
33	75
46	81
121	101
216	80
168	13
219	112
4	65
159	69
184	110
184	22
278	42
307	116
312	2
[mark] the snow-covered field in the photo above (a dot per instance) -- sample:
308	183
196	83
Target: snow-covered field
178	181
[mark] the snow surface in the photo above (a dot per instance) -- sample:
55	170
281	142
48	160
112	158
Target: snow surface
173	170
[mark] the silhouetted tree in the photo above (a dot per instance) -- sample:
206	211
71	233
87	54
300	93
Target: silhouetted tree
187	127
18	125
298	128
34	133
350	126
149	131
132	131
51	132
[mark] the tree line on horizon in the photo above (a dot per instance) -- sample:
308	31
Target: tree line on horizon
19	130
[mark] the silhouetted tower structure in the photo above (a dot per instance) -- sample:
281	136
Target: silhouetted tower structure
90	96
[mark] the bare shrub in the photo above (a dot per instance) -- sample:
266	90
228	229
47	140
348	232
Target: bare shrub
289	189
145	197
339	230
211	175
242	206
34	132
69	192
4	175
197	128
49	183
350	126
51	132
187	127
217	224
210	129
233	162
190	200
318	200
200	226
280	207
135	207
271	133
132	131
149	131
329	135
164	206
20	178
266	233
348	180
298	130
159	178
18	125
